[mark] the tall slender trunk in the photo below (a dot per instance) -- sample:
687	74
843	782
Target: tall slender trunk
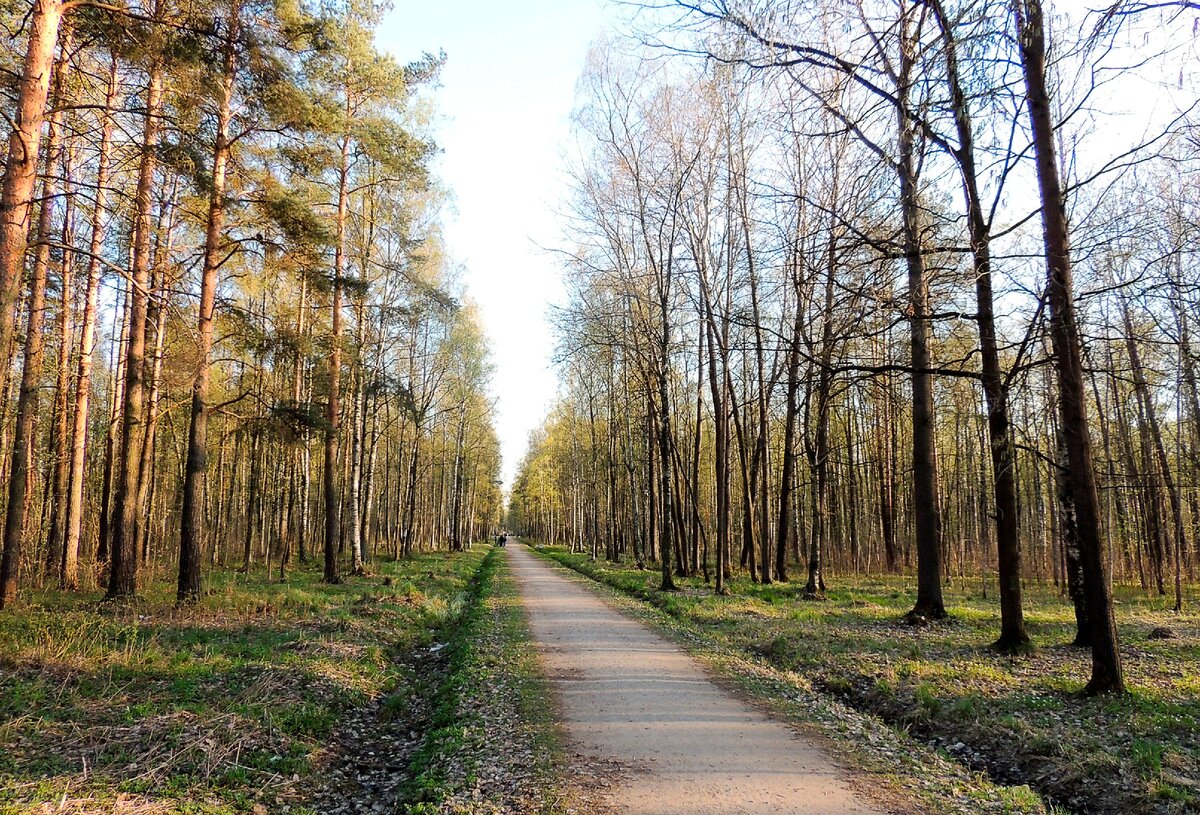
819	455
716	388
761	470
787	477
1191	393
156	316
370	519
332	416
1012	621
357	431
252	502
117	395
697	440
300	466
410	503
122	577
195	469
61	452
739	430
851	509
1107	674
926	509
24	437
887	511
1160	453
20	169
456	520
1068	537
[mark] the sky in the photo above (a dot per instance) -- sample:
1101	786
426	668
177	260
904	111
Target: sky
504	106
503	125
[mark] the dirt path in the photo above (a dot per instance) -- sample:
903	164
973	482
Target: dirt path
629	696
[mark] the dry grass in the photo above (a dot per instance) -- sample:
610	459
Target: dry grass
226	707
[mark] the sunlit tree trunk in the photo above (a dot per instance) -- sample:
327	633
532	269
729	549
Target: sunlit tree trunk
122	578
24	437
1012	621
1142	389
61	452
195	469
332	415
926	509
20	169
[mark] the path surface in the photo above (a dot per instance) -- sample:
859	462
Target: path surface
630	696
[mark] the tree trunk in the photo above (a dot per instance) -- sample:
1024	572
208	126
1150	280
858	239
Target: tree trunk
332	497
1013	636
122	577
24	438
20	169
926	509
61	452
87	344
814	589
1107	675
1160	452
192	527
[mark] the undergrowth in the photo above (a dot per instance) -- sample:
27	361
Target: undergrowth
494	746
219	708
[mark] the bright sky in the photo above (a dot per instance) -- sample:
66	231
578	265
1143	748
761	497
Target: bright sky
504	107
505	102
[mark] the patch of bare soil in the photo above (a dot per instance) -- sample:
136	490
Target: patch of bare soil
366	765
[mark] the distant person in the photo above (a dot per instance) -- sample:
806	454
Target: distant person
501	539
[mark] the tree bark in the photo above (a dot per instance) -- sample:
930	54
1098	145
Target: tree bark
122	577
24	438
20	169
926	509
1107	674
195	470
332	417
1013	636
61	452
1160	452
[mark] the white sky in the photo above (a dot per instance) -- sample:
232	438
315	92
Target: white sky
505	101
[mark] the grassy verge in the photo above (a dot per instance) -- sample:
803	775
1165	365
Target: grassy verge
1019	719
231	706
495	746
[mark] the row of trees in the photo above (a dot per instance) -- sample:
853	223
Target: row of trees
226	317
825	308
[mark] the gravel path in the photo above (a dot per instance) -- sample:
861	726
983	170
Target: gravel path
631	699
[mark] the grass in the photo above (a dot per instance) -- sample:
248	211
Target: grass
495	745
1020	718
221	708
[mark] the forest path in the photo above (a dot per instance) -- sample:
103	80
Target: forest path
629	697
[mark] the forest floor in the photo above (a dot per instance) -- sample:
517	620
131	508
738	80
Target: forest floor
382	694
1019	721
